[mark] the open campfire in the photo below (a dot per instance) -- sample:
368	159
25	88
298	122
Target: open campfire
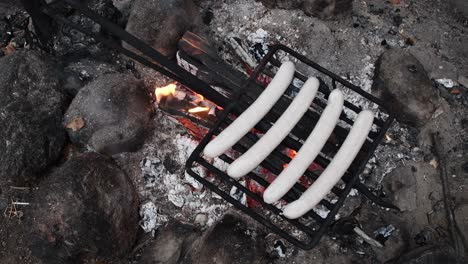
117	142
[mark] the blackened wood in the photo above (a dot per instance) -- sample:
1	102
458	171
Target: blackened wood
43	24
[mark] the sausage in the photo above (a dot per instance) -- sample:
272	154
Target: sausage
335	170
309	151
260	150
252	115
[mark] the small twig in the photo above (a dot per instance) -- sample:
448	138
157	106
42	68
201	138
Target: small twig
244	56
367	238
19	203
20	188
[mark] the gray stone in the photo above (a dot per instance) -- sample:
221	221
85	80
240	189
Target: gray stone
112	113
162	23
31	106
437	254
231	240
463	81
412	188
317	8
171	244
460	6
285	4
124	6
86	209
402	83
327	8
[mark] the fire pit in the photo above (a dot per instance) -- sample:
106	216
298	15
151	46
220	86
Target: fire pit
105	129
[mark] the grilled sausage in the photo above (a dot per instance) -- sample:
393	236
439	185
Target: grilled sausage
252	115
335	170
309	151
260	150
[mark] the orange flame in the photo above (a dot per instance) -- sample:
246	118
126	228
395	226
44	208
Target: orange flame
198	109
165	91
200	98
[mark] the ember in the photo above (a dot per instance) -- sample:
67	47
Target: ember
199	109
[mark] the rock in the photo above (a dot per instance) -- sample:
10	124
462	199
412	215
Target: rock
317	8
124	6
31	106
416	190
171	244
412	188
402	83
327	8
113	110
230	241
460	6
162	23
86	209
463	81
429	254
284	4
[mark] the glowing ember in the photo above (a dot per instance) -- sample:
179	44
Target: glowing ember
199	109
161	92
290	153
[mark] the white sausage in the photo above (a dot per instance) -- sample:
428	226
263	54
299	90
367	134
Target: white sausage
309	151
335	170
273	137
252	115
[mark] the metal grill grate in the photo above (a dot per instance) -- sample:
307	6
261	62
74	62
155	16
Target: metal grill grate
304	232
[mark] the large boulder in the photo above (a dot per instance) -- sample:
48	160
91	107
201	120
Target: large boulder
86	209
31	106
402	83
110	114
162	23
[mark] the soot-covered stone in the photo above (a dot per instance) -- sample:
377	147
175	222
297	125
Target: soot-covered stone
402	83
31	107
110	114
162	23
232	240
317	8
86	209
170	245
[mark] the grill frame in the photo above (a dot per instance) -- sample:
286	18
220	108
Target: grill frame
313	236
